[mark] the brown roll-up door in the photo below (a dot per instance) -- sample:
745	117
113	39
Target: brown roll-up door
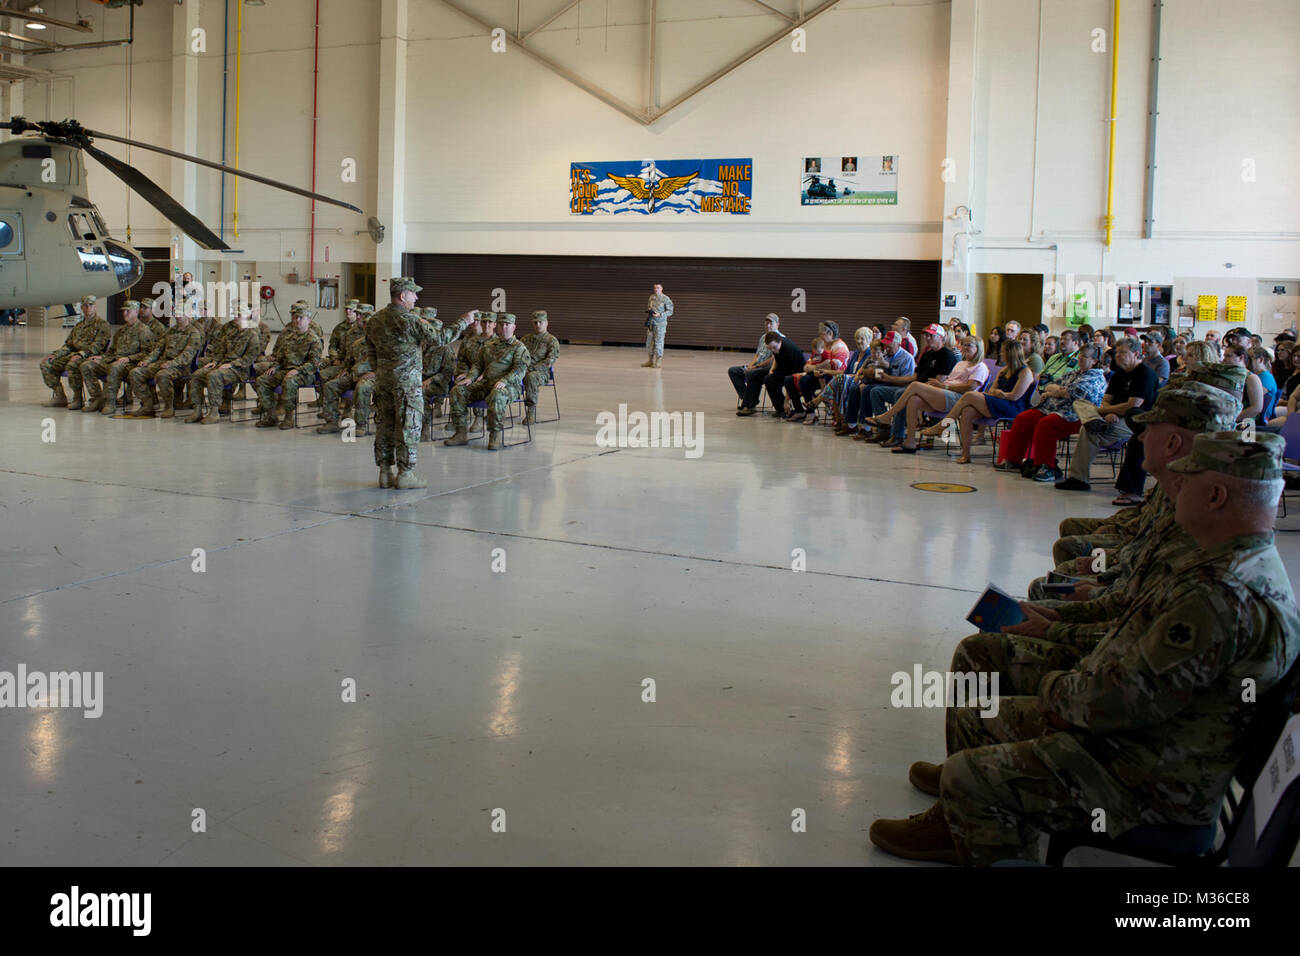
717	302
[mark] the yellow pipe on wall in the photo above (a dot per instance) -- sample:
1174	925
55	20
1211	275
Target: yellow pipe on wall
239	63
1114	122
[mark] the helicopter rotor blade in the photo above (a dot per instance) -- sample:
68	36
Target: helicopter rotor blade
222	168
154	194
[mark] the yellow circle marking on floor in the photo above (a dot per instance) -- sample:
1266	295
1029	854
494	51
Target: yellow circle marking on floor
943	487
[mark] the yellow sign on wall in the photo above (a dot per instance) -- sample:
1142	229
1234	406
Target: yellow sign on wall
1236	309
1207	308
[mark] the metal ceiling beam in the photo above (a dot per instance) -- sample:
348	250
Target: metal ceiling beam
784	16
650	113
652	61
24	71
549	20
19	36
81	27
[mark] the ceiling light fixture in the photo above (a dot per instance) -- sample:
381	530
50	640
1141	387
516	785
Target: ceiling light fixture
34	25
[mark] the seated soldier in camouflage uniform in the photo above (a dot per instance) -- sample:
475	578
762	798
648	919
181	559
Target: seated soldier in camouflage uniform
496	377
294	363
471	344
332	355
439	367
545	349
356	376
129	345
168	362
88	337
1149	726
213	334
227	367
152	321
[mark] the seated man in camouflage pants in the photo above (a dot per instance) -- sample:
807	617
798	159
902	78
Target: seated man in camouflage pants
168	362
227	366
545	349
130	344
332	355
496	376
294	363
88	337
355	374
1150	724
439	369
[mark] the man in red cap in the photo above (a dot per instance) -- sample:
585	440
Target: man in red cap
936	359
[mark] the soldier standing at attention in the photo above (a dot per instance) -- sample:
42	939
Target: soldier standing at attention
545	349
226	366
168	360
293	365
496	377
88	337
129	345
658	309
395	341
1150	725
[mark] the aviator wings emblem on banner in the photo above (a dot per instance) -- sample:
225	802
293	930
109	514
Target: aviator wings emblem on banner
670	187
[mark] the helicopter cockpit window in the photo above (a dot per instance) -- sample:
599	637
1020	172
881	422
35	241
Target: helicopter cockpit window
100	228
7	236
92	259
81	226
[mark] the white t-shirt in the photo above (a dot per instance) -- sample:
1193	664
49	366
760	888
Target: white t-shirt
964	372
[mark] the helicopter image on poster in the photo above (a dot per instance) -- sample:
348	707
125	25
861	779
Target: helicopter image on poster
54	246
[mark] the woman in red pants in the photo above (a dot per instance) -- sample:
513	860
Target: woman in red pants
1037	430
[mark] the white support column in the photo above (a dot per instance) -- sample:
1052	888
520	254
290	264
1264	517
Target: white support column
185	122
391	205
959	158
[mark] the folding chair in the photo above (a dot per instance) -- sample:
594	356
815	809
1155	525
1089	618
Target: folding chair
1232	837
555	392
481	405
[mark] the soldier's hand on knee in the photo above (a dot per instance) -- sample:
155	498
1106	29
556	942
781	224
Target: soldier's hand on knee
498	386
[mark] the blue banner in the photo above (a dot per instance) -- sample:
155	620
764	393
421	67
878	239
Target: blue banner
670	187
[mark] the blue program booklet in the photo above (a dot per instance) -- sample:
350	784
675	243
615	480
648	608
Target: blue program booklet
995	610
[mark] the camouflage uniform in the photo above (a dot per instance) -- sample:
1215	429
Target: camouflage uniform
238	349
500	360
439	366
295	352
88	337
654	335
1156	711
544	349
395	339
356	365
167	363
130	342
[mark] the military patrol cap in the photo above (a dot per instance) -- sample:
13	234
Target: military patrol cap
1194	405
130	304
352	305
487	317
540	316
88	300
1230	378
505	318
403	284
1228	454
300	306
366	308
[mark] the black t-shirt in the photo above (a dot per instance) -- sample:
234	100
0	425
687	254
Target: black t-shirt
1139	383
789	358
934	362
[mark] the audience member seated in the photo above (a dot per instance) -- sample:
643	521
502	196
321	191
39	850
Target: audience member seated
747	380
936	360
836	393
1031	346
1260	363
787	359
895	365
1253	403
1153	359
1131	388
1007	398
1281	367
816	356
1052	418
936	397
1062	359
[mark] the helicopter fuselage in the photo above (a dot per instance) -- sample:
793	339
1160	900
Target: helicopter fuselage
54	246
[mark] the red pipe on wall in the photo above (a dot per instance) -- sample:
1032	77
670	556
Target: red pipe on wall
315	86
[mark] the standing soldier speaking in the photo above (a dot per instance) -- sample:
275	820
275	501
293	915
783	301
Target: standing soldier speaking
657	310
395	341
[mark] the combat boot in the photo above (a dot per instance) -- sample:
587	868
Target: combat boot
659	361
146	410
268	420
925	777
197	415
460	438
477	424
387	475
95	405
922	836
167	412
494	439
287	421
530	416
333	428
75	405
409	479
649	363
211	416
426	431
58	400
